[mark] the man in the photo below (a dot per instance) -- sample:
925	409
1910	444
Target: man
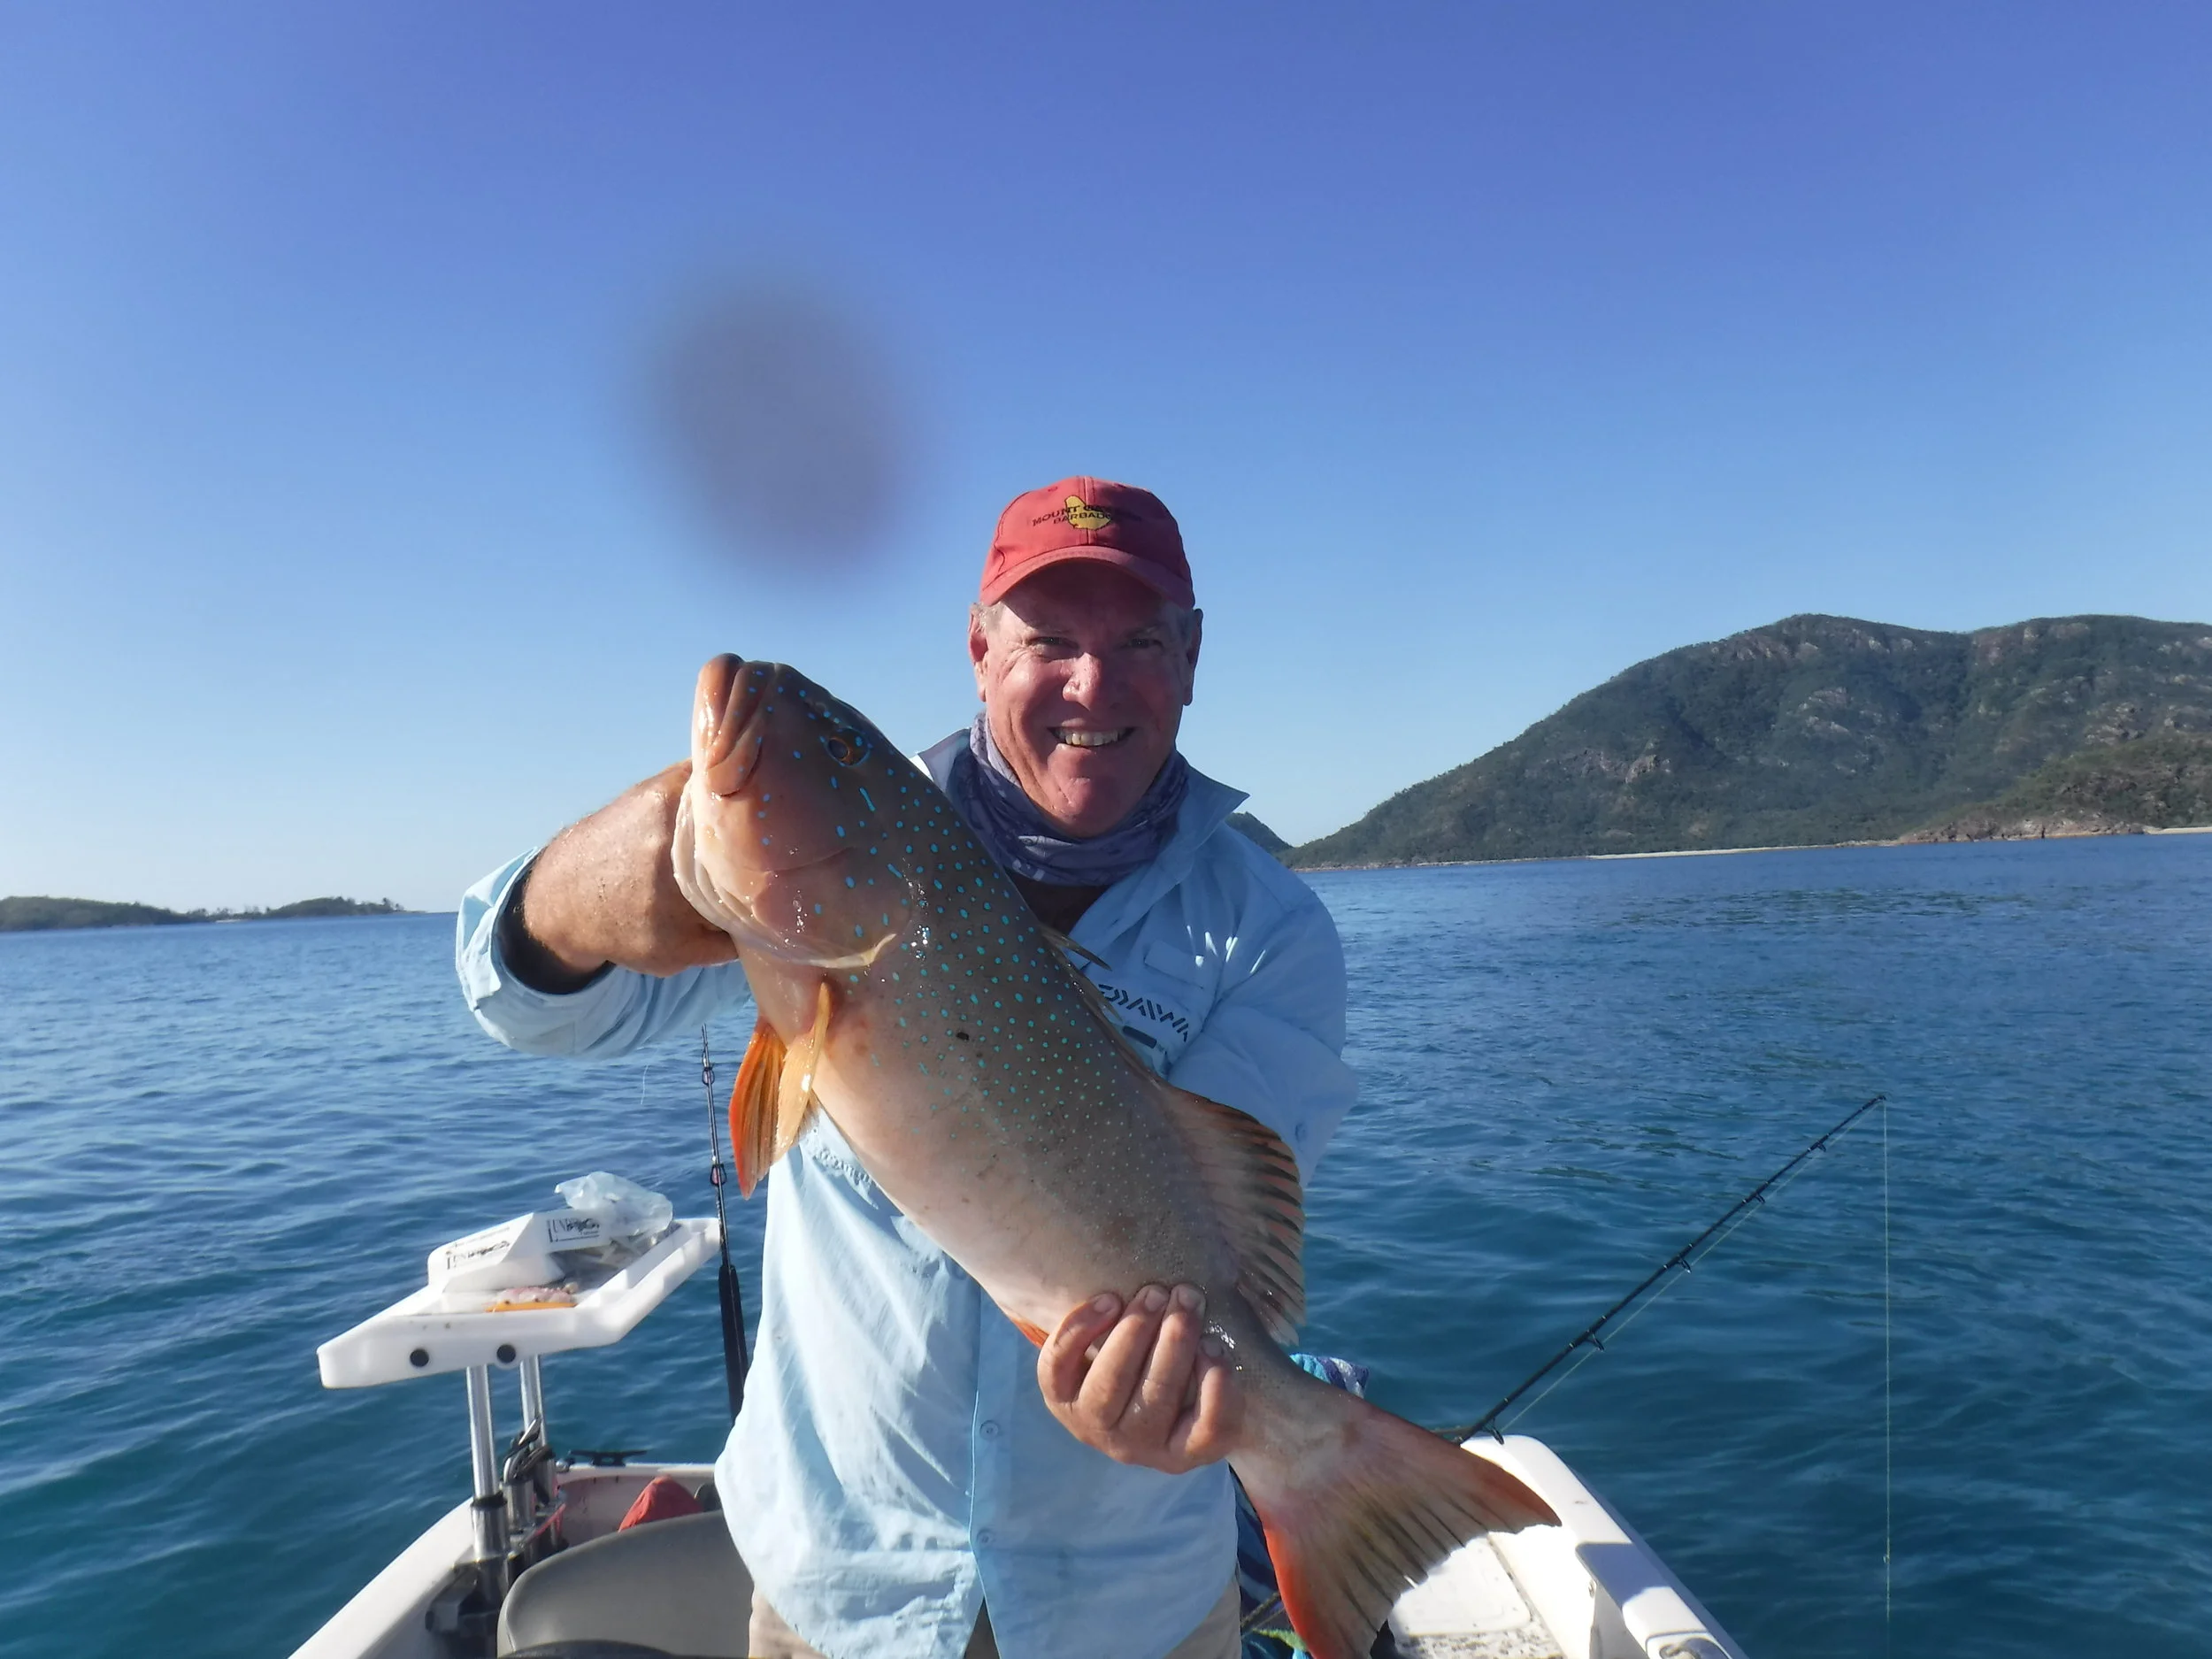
905	1460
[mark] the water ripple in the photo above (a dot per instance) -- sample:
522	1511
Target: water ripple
224	1144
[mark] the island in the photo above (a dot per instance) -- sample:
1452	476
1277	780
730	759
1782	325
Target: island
1819	730
38	915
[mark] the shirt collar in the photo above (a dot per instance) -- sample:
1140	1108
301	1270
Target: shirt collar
1206	807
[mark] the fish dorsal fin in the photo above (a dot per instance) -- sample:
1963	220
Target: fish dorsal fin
774	1094
1071	947
1249	1172
1095	1000
1253	1180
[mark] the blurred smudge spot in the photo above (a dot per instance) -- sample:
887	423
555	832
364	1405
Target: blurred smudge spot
778	410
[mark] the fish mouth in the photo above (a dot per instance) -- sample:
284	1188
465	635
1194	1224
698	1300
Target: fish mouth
1071	737
727	714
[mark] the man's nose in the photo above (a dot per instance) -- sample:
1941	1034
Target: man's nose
1087	678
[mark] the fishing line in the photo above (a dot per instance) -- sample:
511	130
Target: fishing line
1686	1259
1888	1428
1596	1348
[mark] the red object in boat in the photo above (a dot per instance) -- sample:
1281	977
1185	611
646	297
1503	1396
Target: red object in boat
664	1499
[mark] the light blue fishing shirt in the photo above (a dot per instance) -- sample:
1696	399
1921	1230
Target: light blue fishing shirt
895	1466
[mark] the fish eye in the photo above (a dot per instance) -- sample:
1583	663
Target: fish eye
845	747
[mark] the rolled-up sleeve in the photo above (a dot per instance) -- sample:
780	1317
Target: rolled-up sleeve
612	1015
1273	1044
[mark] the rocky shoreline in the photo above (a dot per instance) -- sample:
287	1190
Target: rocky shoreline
1991	826
1960	832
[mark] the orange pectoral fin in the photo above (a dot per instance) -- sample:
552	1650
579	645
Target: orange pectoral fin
753	1107
1036	1334
774	1093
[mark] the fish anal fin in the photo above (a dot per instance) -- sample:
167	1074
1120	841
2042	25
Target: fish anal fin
753	1106
1365	1505
1036	1334
1253	1180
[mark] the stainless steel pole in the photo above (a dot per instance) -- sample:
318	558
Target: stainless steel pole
533	1393
490	1503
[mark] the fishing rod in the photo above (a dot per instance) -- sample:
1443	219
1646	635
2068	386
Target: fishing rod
1686	1258
733	1356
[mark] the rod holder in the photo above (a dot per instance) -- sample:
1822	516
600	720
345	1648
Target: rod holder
533	1393
489	1505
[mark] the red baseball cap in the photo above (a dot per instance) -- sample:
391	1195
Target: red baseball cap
1089	518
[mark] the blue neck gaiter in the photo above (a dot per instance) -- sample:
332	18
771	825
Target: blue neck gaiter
1021	839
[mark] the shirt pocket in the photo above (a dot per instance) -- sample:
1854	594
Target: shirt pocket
1185	966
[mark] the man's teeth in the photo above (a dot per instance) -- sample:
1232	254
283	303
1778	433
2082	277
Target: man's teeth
1089	740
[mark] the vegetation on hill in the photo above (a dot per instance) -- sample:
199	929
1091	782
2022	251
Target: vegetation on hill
2162	782
27	915
40	914
1815	729
1252	829
305	907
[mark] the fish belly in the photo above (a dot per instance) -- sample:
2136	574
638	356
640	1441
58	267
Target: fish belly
1039	1164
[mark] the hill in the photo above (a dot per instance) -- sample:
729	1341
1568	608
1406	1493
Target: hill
1253	831
304	908
28	915
2162	782
45	915
1812	730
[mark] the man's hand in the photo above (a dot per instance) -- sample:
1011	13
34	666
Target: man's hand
605	890
1142	1383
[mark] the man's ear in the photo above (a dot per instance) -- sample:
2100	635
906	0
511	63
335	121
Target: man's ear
979	645
1190	654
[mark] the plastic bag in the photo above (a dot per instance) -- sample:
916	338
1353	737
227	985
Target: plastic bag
634	1217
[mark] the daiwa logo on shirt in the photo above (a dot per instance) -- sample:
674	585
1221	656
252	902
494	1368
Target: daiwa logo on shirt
1145	1007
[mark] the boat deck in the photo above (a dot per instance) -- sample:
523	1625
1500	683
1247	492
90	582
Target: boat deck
1588	1588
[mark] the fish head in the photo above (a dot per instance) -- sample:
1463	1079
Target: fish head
784	833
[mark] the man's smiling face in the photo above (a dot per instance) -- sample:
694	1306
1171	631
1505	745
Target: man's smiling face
1083	674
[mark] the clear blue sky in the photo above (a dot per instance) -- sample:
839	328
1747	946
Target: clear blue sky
1482	349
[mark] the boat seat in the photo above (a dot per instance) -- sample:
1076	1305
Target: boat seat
672	1587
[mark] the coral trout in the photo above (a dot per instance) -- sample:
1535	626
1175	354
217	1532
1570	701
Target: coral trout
905	989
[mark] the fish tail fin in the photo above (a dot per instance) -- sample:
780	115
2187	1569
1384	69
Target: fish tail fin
1358	1504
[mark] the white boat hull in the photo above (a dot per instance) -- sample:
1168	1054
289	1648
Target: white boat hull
1588	1588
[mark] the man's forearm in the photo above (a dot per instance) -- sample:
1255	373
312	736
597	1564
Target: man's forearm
603	892
529	958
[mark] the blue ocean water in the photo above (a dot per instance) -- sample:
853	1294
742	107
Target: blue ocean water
220	1145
